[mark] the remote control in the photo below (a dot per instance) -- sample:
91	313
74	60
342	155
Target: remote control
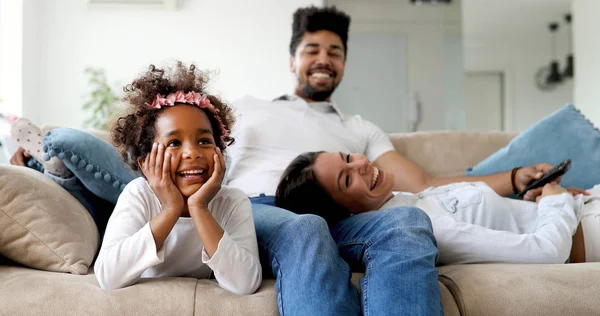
552	174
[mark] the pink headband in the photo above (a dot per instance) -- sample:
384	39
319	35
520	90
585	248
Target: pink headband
194	98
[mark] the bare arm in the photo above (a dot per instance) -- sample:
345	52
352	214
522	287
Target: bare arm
409	177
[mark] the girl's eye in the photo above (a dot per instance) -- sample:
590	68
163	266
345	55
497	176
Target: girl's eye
205	141
174	143
348	158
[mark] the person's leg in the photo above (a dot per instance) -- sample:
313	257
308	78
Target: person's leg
29	137
96	163
397	250
60	161
311	277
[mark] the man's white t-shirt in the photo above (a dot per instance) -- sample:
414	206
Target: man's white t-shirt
270	134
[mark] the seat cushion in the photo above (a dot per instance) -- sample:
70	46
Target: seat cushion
31	292
43	226
518	289
25	291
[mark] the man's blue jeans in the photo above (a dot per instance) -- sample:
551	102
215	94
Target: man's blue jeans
395	248
312	264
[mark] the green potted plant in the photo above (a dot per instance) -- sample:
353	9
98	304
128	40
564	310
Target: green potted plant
102	100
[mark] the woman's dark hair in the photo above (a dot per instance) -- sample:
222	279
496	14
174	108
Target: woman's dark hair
134	133
313	19
299	192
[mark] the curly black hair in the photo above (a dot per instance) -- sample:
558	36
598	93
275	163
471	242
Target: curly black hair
313	19
299	192
134	133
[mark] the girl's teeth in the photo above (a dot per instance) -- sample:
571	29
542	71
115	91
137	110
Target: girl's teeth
193	172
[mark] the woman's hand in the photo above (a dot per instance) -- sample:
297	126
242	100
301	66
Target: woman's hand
576	191
551	189
200	199
526	175
157	169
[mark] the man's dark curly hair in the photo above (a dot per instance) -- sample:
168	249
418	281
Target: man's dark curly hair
313	19
299	192
134	133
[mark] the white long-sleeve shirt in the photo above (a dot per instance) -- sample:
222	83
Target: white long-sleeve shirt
473	224
129	253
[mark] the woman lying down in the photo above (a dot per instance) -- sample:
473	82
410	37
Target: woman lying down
471	222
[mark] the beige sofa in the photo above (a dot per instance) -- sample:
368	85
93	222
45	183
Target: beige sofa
492	289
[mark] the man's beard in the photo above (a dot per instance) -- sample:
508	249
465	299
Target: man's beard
309	92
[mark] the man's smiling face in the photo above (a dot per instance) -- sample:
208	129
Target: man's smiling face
318	65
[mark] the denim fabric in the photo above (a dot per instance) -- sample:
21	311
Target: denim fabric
395	248
397	251
311	277
96	163
565	134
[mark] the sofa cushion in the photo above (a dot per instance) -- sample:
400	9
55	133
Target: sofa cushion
31	292
565	134
41	225
519	289
447	154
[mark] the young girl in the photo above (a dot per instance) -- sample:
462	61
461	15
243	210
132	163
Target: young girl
177	220
471	222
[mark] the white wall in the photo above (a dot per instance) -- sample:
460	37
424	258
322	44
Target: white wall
246	41
587	63
524	103
11	50
434	52
508	42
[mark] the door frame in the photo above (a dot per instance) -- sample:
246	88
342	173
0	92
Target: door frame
505	111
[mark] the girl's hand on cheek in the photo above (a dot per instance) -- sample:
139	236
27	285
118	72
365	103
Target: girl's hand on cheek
200	199
157	169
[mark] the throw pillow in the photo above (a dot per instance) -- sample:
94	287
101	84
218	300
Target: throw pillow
564	134
41	225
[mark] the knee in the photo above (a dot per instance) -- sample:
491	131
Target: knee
304	235
305	227
407	223
409	216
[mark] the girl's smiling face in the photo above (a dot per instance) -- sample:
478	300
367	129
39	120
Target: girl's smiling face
187	134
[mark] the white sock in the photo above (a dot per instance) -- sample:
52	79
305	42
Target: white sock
30	137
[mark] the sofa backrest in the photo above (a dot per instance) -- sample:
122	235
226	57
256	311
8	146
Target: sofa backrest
449	153
441	153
